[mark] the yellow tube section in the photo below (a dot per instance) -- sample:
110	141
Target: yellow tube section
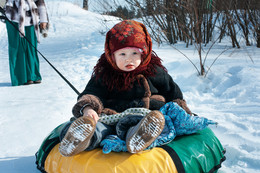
156	160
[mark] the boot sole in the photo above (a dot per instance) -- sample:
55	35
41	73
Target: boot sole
77	137
150	128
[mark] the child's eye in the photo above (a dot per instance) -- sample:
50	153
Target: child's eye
122	54
134	53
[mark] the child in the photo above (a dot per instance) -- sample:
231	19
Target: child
128	75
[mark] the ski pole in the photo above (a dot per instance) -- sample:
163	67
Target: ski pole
5	17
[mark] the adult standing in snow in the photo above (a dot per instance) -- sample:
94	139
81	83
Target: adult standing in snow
128	75
29	16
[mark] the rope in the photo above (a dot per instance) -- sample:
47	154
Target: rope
4	17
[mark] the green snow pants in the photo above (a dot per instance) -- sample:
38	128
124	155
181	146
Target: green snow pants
23	58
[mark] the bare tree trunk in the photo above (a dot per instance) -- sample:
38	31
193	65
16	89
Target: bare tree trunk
149	7
254	16
231	28
258	37
198	18
169	20
85	4
242	20
202	69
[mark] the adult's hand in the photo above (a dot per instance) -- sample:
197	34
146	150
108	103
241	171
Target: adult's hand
43	25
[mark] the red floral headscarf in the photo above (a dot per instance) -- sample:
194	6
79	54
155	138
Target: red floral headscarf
128	33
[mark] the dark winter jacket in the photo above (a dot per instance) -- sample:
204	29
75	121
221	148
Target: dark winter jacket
152	92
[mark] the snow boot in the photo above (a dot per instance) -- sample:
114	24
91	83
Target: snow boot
78	136
140	136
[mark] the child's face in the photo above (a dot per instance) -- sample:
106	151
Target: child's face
127	59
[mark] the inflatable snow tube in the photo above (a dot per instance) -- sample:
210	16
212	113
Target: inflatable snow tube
196	153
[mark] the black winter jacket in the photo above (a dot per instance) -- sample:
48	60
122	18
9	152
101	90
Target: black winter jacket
161	84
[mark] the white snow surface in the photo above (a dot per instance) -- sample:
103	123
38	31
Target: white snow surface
229	94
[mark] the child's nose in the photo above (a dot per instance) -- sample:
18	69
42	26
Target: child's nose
128	59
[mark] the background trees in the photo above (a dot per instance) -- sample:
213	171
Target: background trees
196	22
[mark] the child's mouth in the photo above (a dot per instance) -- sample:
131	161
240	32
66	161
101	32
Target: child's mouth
129	66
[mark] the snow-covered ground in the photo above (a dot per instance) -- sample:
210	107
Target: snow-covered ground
228	95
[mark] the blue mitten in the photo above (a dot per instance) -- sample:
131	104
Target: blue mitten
184	123
113	143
